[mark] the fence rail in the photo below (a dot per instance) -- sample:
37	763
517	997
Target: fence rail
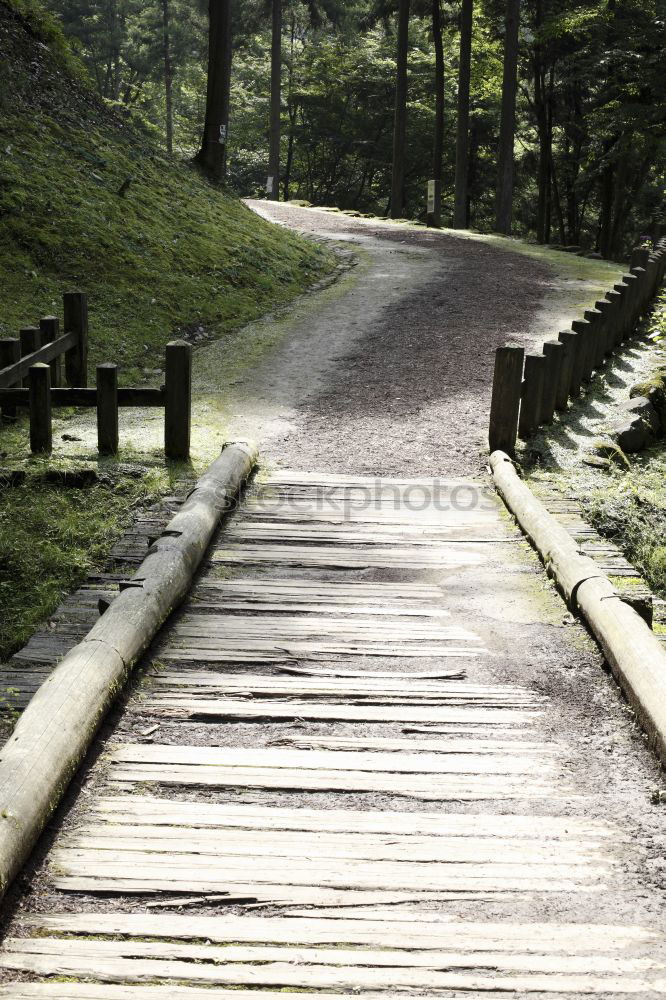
529	389
32	373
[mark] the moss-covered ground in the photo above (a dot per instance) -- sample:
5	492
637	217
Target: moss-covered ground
88	201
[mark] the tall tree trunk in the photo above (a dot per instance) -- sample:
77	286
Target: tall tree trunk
168	76
400	118
212	156
435	218
273	182
461	208
541	114
504	204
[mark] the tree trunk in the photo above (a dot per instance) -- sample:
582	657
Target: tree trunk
168	76
461	209
435	218
212	156
504	205
273	181
400	119
541	115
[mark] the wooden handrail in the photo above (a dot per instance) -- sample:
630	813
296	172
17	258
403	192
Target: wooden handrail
86	397
49	352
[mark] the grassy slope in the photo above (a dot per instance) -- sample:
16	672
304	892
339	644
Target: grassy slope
172	254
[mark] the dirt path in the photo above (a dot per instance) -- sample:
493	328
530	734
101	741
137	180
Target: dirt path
390	371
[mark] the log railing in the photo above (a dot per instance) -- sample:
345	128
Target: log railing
31	376
529	389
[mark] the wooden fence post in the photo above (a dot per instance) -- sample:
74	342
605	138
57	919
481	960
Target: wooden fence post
639	257
605	310
583	330
622	290
530	405
50	330
178	402
615	299
41	439
107	409
554	353
507	382
595	319
31	340
76	321
10	353
567	339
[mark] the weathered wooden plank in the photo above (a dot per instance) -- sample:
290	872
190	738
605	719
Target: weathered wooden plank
441	933
344	557
220	708
318	760
196	814
108	961
110	991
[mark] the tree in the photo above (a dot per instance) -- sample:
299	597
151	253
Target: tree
273	185
435	218
168	75
461	205
505	166
212	156
400	115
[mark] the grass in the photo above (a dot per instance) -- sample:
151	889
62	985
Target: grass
89	201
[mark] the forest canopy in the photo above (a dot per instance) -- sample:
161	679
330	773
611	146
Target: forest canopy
588	161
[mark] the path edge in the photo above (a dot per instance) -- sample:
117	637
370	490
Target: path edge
634	653
55	730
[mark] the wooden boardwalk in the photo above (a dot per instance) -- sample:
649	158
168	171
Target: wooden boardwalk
331	782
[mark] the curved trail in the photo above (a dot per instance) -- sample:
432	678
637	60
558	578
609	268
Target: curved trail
369	756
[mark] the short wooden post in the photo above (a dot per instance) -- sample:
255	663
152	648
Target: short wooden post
622	290
567	339
632	302
595	319
605	310
31	341
577	365
642	292
530	405
41	439
505	404
615	299
10	353
178	402
639	257
50	330
584	331
76	321
107	409
554	353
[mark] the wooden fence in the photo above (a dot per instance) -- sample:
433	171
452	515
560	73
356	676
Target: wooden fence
32	374
528	389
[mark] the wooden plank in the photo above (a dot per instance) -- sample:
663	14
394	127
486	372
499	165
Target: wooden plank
441	933
219	708
194	814
458	747
113	991
263	651
341	534
278	758
106	961
329	557
73	396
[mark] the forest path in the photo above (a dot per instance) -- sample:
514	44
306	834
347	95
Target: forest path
390	370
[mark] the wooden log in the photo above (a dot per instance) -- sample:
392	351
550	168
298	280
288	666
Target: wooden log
41	437
622	289
107	409
10	354
639	257
178	402
631	281
615	299
554	354
635	654
59	723
530	405
568	340
642	292
31	341
50	330
507	382
76	322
